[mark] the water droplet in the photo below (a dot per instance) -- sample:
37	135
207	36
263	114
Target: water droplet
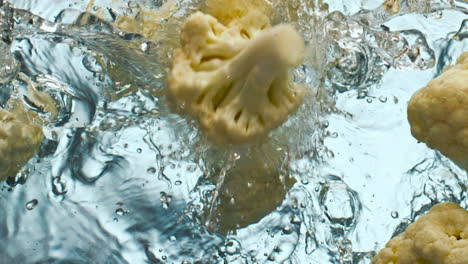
32	204
138	110
116	220
139	150
369	100
295	220
165	200
178	182
151	170
120	212
287	230
91	64
383	99
311	243
58	187
232	247
394	214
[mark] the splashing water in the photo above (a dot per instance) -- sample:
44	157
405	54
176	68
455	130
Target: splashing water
120	178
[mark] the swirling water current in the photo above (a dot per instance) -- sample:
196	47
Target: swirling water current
121	178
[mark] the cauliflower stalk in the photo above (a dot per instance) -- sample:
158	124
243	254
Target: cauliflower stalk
439	237
438	113
235	78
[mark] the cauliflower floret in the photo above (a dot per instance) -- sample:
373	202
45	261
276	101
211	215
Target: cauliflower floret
439	237
235	78
20	139
438	113
20	129
227	10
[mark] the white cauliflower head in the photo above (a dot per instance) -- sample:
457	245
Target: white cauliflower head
235	79
439	237
438	113
20	139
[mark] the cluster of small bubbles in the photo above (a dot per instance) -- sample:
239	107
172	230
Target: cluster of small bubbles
9	66
32	204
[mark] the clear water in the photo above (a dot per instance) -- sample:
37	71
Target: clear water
120	178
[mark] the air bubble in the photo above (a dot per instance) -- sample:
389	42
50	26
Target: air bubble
32	204
120	212
287	230
58	187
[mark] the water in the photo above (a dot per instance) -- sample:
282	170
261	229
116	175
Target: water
121	178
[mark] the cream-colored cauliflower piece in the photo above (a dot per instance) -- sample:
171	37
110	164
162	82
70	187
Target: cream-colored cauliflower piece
438	113
21	129
20	138
235	78
438	237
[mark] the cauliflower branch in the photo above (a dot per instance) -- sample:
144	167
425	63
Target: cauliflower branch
235	79
438	113
439	237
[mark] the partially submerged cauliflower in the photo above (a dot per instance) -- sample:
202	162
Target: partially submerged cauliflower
20	129
235	78
438	113
20	139
439	237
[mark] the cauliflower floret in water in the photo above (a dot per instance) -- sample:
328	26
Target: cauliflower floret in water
20	129
20	139
439	237
235	79
438	113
